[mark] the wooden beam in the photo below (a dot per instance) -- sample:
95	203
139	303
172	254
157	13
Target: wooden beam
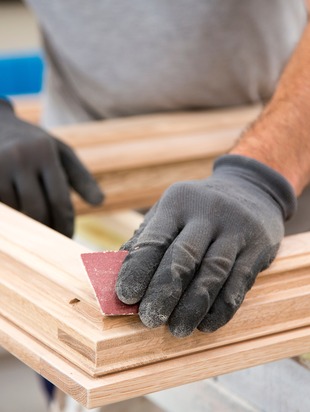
94	392
49	317
44	290
156	126
135	159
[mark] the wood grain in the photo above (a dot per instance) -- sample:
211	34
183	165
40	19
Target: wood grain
95	392
45	291
158	125
135	159
49	316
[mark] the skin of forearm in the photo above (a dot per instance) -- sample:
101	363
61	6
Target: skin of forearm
280	137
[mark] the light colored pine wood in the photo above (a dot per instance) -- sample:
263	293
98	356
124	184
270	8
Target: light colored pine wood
135	159
140	188
28	109
45	291
57	328
94	392
156	126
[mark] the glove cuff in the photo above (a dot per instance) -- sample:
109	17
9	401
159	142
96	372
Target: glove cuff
262	176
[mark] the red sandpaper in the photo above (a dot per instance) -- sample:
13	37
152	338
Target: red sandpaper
102	269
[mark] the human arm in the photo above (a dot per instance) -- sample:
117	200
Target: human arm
37	172
280	136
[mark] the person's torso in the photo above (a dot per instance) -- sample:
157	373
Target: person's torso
112	58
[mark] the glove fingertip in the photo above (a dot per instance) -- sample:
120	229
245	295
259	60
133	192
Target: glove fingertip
124	294
89	190
180	331
206	327
94	196
150	317
78	176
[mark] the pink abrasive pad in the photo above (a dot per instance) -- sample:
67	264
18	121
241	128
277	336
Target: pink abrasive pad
102	269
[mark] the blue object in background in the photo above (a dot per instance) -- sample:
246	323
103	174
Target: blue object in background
21	73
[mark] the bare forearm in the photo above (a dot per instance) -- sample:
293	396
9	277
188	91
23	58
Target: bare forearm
280	137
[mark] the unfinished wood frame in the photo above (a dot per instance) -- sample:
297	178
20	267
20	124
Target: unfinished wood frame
46	301
49	317
116	387
135	159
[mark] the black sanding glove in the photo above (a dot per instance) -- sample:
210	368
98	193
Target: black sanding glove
37	171
200	248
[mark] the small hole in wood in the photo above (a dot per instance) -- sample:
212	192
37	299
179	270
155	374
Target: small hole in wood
74	301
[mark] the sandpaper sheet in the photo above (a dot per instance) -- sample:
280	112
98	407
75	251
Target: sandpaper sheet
102	269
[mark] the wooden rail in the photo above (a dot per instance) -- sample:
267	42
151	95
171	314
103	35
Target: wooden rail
135	159
95	392
49	317
46	298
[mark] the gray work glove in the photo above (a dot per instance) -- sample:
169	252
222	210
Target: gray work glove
200	248
37	171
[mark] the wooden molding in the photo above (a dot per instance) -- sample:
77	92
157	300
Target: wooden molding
49	316
135	159
116	387
45	293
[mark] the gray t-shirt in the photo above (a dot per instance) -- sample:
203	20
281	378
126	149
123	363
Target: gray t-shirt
112	58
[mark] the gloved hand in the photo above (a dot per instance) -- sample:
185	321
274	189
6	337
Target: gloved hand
36	172
200	248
